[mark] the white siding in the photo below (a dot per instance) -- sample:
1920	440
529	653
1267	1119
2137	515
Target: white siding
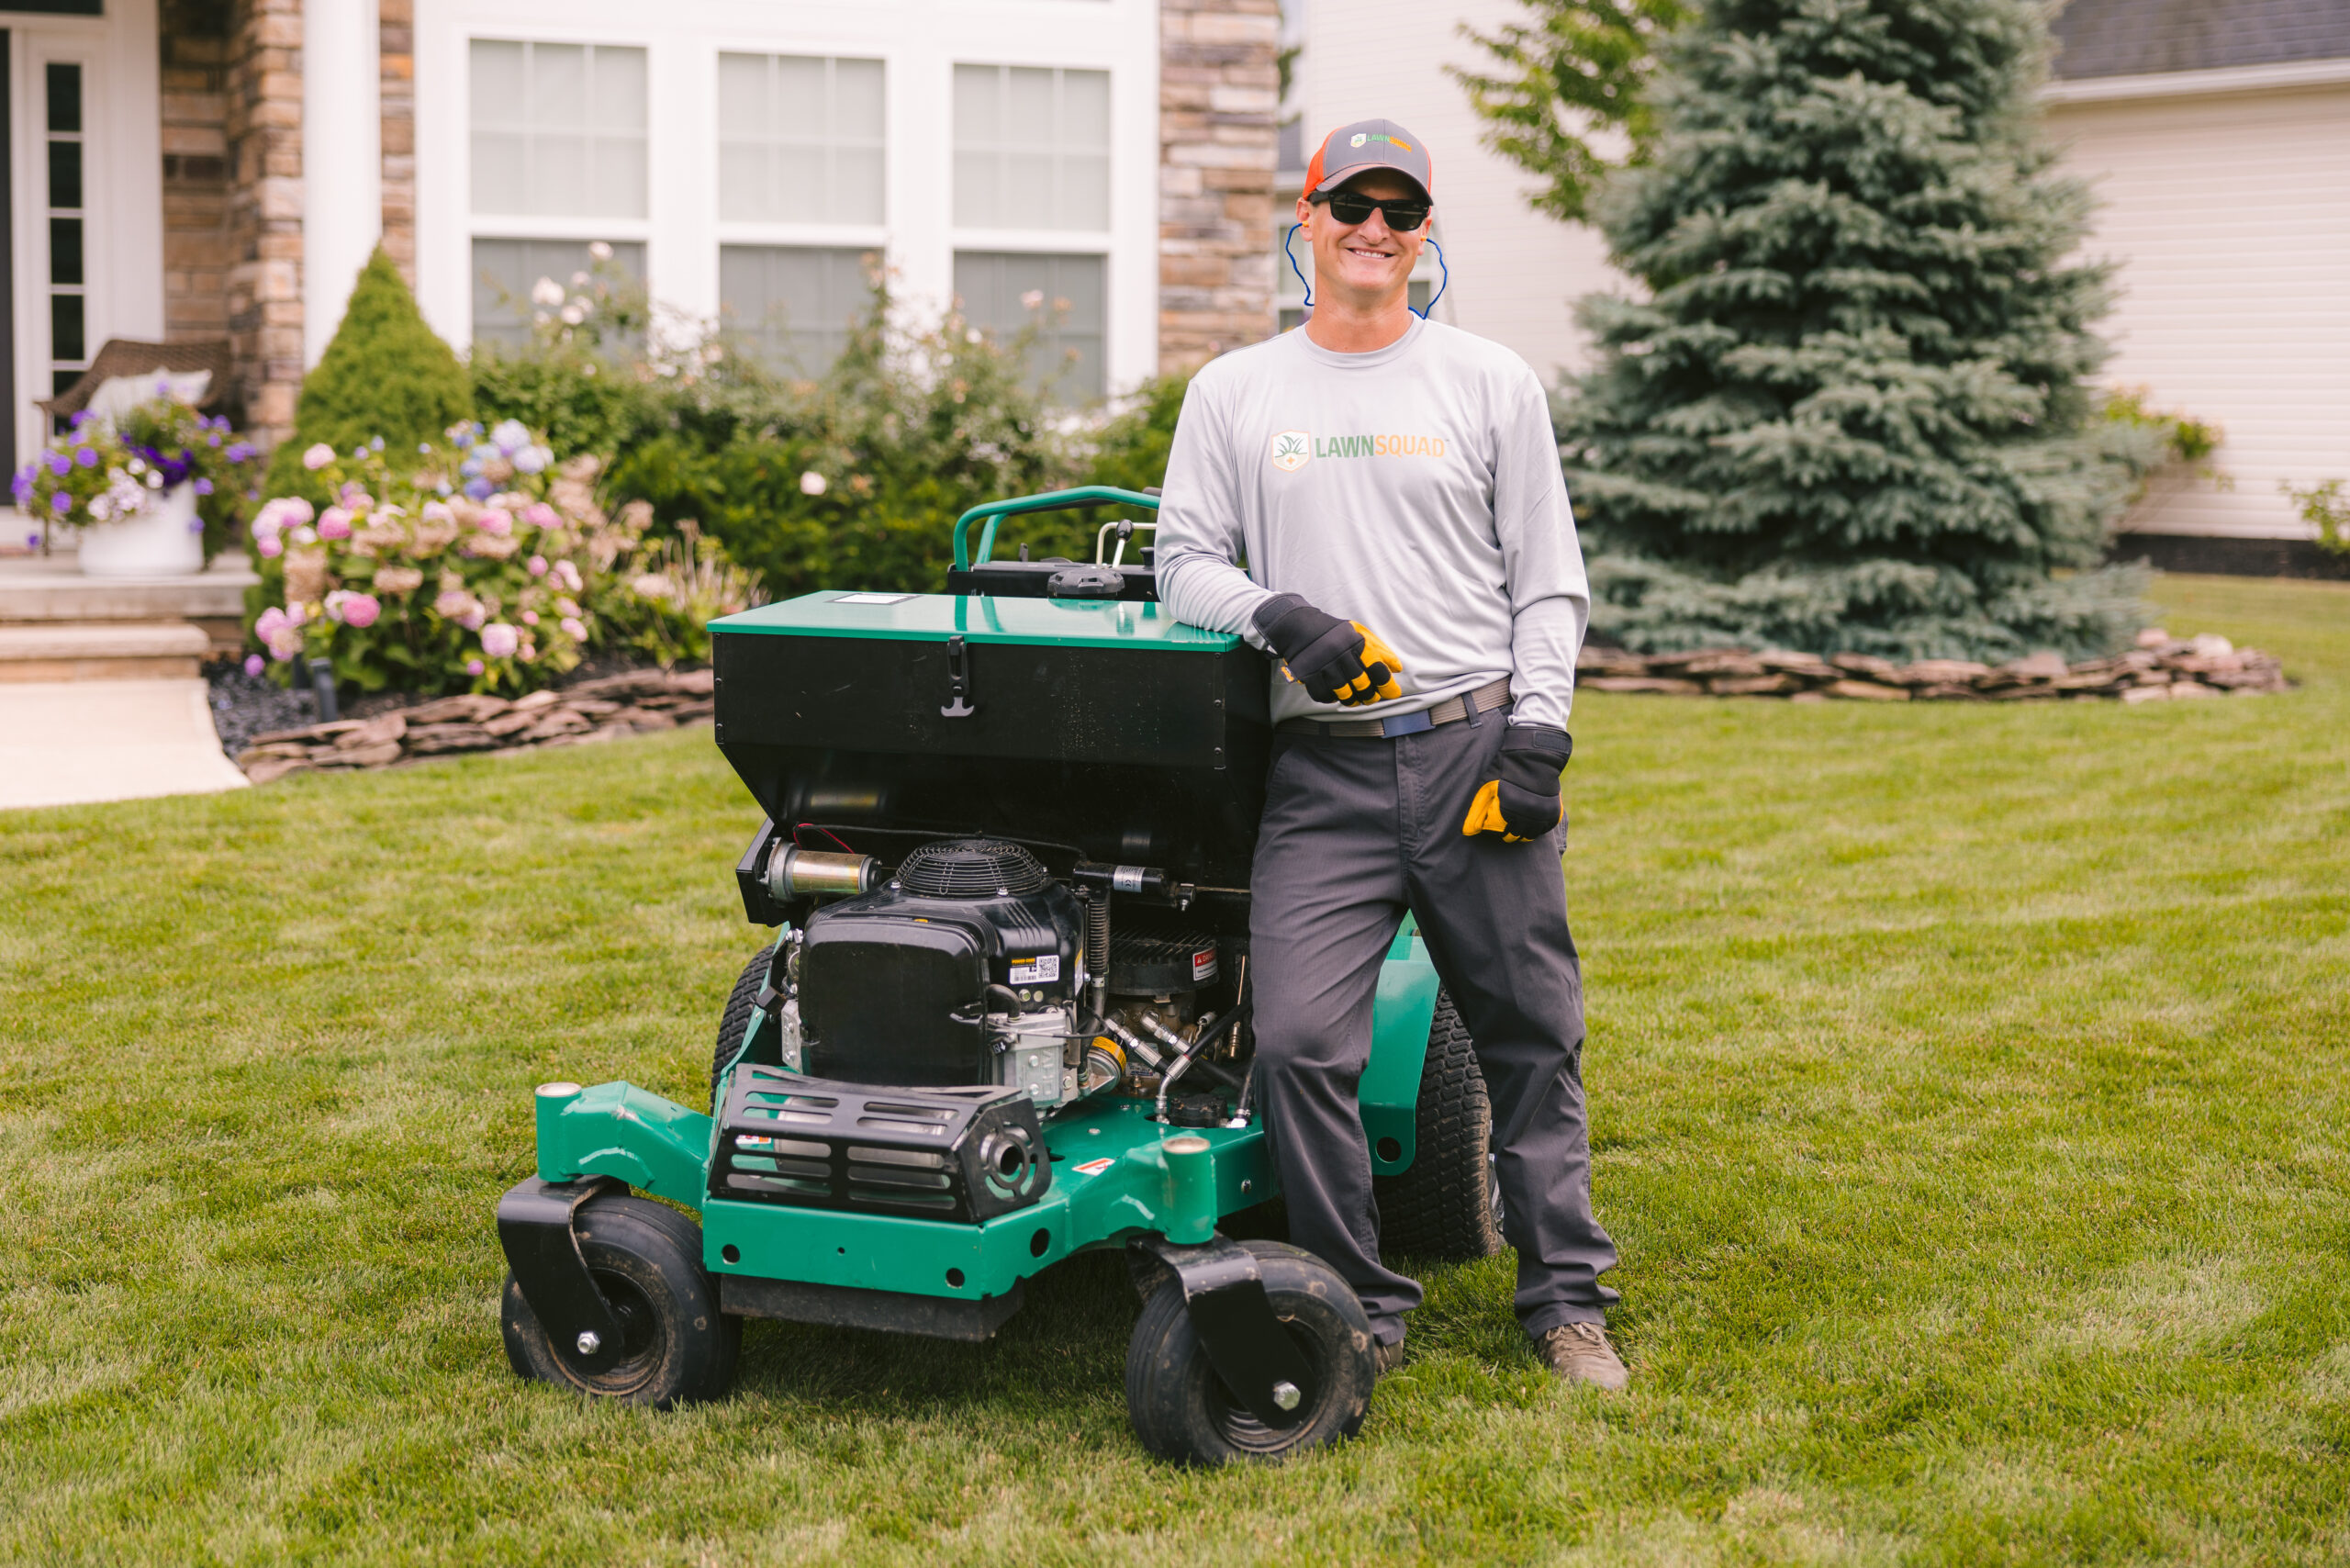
2230	218
1515	274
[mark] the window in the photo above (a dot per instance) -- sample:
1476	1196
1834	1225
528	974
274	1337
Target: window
504	271
799	140
1065	298
792	305
68	333
558	129
1031	148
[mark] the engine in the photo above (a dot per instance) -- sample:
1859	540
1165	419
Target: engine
974	966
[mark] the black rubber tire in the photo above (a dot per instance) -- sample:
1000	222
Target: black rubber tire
1182	1410
1447	1205
736	1019
645	1258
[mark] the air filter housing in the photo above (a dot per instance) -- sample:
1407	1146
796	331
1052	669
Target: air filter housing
971	868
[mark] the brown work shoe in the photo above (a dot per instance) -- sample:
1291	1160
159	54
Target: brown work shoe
1579	1352
1386	1358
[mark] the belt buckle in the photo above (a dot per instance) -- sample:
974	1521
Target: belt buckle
1406	725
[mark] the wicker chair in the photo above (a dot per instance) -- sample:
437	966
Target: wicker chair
123	357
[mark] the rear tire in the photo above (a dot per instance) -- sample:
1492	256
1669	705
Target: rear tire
1182	1411
1447	1206
735	1022
646	1259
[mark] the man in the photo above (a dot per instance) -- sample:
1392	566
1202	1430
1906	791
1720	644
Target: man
1395	488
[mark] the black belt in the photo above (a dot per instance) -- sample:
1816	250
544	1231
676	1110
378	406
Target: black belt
1492	695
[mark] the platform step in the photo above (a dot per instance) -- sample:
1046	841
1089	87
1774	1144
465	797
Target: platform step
102	650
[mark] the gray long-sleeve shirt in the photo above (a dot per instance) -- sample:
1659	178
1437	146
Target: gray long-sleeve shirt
1415	488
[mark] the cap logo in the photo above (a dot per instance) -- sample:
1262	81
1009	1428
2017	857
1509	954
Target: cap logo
1290	449
1358	140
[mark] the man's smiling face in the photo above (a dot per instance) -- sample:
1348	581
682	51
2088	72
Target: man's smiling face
1367	260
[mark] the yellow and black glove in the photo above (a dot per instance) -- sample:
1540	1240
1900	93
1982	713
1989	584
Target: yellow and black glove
1335	660
1523	801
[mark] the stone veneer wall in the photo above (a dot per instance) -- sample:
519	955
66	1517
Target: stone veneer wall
264	139
195	43
1218	94
397	76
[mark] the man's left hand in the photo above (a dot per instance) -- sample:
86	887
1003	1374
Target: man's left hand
1522	803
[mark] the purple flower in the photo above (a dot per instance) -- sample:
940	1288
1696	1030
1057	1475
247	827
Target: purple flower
239	452
537	566
479	489
499	640
32	540
212	440
61	502
87	457
204	487
334	524
254	664
473	667
80	420
271	547
60	465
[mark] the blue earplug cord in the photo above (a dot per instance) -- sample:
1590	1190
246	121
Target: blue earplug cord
1444	273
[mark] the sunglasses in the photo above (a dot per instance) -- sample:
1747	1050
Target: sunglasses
1403	215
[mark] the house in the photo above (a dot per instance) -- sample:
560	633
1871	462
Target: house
192	169
2215	133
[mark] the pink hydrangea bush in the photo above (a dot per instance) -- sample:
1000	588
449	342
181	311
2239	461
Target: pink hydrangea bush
476	569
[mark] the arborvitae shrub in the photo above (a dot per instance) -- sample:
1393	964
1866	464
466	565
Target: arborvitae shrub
386	374
1850	412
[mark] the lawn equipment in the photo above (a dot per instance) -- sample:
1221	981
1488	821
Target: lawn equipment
1003	1021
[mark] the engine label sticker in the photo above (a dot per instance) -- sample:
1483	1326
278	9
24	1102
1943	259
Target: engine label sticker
1093	1167
1038	970
1203	966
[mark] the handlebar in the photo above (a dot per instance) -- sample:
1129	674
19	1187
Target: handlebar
1052	500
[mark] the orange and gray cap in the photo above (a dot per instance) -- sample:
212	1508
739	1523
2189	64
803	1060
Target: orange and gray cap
1365	145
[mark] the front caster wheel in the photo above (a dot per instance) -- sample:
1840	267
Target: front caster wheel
1181	1408
676	1346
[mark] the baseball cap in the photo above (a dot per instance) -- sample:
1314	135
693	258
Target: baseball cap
1369	144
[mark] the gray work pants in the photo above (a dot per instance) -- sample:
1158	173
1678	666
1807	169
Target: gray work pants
1355	831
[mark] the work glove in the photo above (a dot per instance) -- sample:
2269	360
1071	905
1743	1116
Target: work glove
1335	660
1523	801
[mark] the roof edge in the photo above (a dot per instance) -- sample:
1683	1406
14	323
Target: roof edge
2183	83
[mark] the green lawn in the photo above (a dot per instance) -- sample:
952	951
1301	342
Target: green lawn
1970	1088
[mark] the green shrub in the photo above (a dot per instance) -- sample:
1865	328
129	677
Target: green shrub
2324	508
1131	450
855	479
384	376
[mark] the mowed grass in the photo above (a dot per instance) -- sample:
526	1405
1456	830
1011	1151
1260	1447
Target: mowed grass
1969	1087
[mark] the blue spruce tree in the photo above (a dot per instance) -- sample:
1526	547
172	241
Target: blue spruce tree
1850	413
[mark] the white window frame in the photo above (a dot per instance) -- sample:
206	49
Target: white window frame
919	43
122	189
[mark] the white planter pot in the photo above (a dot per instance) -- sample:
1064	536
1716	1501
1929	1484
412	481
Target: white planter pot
165	541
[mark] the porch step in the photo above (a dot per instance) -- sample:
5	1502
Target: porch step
100	650
45	589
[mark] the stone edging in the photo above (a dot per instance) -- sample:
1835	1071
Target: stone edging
591	710
2160	669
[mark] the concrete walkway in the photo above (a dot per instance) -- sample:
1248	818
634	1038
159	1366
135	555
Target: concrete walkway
65	742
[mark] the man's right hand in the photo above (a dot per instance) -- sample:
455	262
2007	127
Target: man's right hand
1336	661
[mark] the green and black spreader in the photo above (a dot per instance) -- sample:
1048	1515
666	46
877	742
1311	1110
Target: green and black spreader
1003	1020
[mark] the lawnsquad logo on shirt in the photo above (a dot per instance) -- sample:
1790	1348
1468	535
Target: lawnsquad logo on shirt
1290	449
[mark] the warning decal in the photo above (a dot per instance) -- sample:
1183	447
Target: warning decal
1093	1167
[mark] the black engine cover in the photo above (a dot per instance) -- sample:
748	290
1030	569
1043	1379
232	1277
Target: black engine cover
882	976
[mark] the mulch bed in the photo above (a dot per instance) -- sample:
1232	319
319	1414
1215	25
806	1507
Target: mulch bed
2160	668
601	708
